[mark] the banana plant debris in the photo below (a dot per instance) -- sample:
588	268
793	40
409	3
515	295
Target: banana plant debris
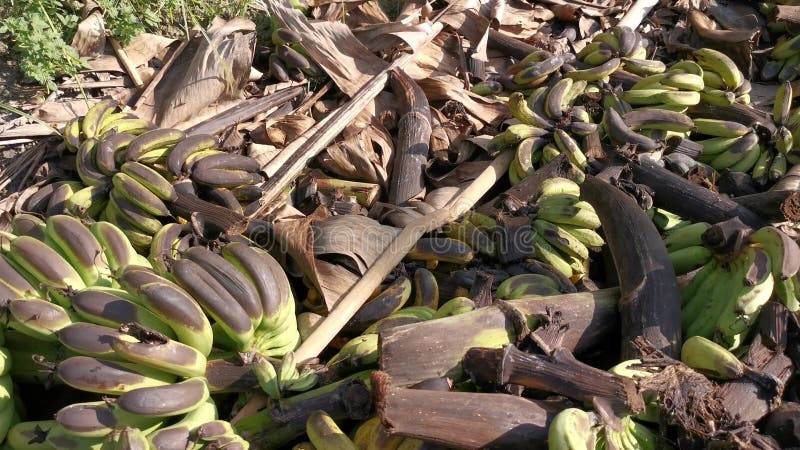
500	224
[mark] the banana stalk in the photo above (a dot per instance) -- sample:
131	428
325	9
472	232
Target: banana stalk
277	425
509	365
688	200
591	315
647	281
495	421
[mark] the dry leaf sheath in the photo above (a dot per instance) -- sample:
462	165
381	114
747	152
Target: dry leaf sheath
413	140
650	303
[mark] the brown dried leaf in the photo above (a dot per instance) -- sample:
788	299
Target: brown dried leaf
53	111
219	68
299	238
90	37
440	56
447	87
147	46
384	36
456	176
286	129
332	46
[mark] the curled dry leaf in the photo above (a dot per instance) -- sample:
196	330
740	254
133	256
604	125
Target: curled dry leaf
90	37
738	44
218	69
332	46
385	36
357	238
360	157
448	87
286	129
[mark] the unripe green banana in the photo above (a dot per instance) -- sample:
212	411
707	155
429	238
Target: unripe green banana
710	59
711	359
571	429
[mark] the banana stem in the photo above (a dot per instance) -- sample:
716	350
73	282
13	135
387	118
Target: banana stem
462	419
558	372
591	317
276	425
650	302
215	215
679	196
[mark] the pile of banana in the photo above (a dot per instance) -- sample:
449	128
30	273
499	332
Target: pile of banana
784	62
131	172
724	83
564	227
87	311
287	59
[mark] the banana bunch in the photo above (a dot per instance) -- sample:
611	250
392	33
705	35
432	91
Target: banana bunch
287	59
372	435
723	300
575	429
672	90
784	60
620	47
127	174
724	82
564	227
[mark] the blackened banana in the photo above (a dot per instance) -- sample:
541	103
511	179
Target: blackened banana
228	161
224	197
150	179
108	149
106	377
112	308
619	132
89	339
139	195
182	150
225	178
216	301
264	272
86	166
168	356
161	137
234	281
165	401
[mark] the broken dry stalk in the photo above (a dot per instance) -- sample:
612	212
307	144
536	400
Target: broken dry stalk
279	424
413	140
126	62
352	301
749	398
677	195
463	419
559	373
412	353
650	304
243	111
